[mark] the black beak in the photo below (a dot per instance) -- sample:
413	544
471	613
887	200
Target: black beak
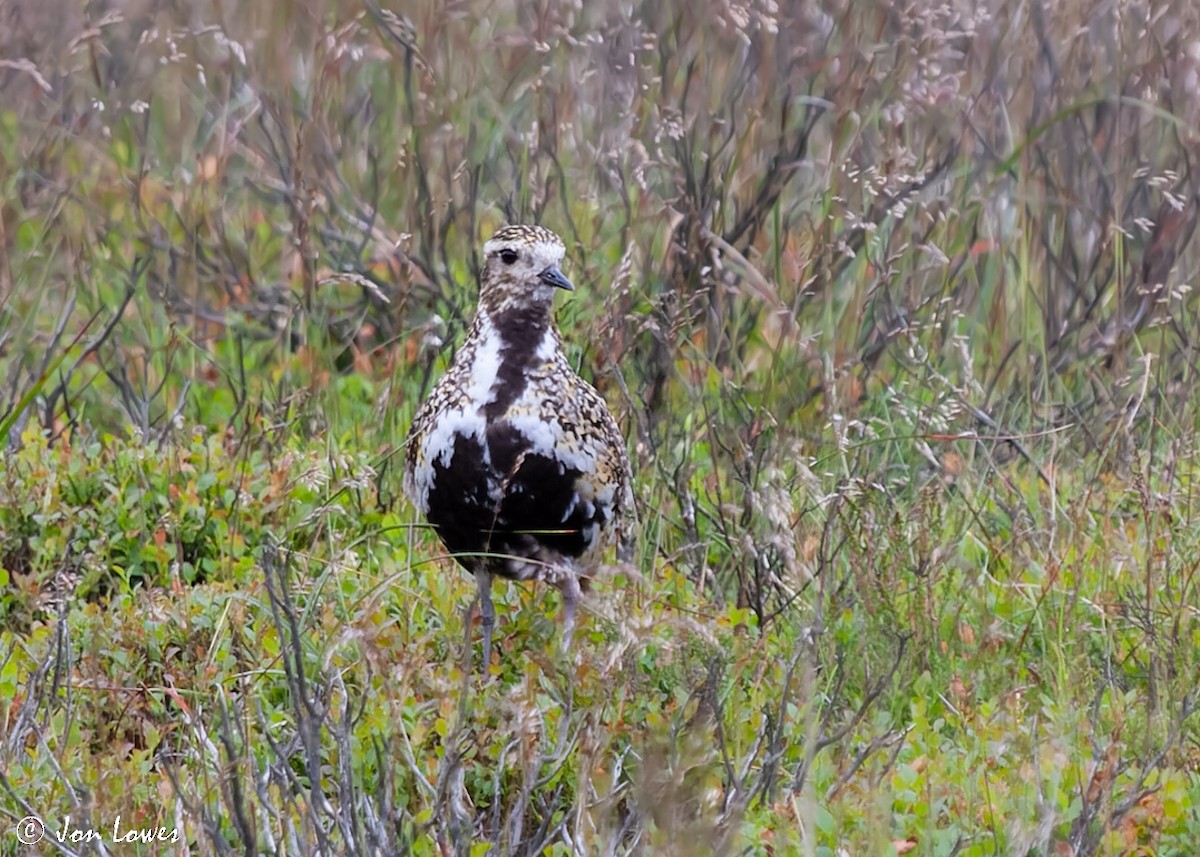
554	277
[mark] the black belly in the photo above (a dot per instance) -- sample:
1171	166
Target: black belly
472	516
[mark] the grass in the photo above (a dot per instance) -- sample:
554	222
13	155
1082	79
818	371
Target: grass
892	303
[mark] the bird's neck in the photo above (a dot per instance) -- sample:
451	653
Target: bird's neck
519	328
509	345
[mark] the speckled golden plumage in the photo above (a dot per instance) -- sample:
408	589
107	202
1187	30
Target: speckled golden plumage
516	460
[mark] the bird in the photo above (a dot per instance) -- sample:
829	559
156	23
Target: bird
513	458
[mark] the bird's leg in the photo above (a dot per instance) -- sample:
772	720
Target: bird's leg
487	613
572	594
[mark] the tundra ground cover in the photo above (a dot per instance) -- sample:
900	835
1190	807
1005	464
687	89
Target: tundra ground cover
893	304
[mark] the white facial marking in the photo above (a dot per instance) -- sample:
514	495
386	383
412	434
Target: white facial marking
531	260
539	256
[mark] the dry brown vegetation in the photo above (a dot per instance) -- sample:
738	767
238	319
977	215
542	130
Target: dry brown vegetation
894	301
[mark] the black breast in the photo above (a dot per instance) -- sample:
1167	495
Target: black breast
460	507
520	504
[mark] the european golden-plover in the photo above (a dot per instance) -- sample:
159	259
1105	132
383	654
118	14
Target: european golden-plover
514	459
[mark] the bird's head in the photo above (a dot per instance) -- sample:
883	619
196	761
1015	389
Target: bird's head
520	269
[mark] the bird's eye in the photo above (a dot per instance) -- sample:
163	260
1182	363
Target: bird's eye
508	256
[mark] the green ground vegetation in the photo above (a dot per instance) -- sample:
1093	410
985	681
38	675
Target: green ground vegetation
892	301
